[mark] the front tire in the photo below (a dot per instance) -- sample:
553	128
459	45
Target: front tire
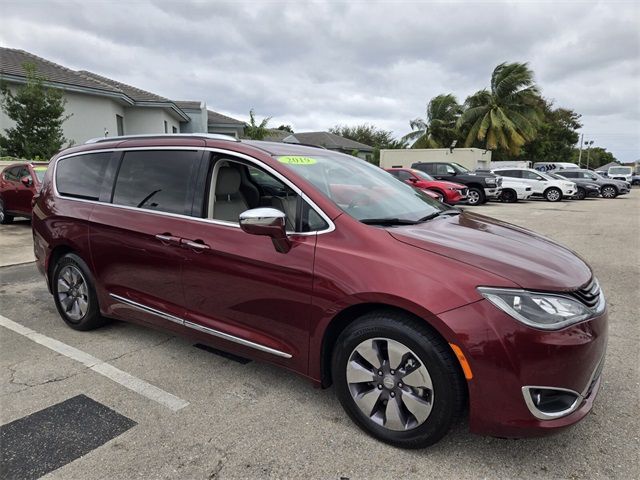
553	194
397	380
582	194
5	218
509	196
74	294
609	191
475	196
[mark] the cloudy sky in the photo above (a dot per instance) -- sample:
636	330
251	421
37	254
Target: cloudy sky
317	64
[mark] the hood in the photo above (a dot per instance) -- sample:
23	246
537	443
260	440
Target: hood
524	257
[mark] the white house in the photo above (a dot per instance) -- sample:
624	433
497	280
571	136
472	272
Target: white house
100	106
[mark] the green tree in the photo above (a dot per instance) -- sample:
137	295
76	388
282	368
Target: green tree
556	136
439	129
256	131
370	135
596	157
285	128
505	117
38	113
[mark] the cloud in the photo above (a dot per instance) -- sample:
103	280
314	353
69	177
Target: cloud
317	64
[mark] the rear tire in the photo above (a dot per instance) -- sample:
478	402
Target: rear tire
410	392
553	194
5	218
582	194
74	294
475	196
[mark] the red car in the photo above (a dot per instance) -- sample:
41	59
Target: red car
327	266
19	182
453	193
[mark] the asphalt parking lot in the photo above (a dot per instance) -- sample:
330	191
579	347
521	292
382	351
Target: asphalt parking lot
250	420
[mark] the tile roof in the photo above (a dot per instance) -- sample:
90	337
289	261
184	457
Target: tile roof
12	62
330	141
136	94
189	104
215	118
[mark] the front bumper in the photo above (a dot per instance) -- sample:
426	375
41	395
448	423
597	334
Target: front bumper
493	192
506	356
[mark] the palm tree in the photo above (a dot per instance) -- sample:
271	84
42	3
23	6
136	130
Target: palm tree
439	129
505	117
256	131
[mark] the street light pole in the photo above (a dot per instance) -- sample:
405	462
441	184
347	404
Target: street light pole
589	143
580	154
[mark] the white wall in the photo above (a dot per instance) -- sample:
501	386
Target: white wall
470	158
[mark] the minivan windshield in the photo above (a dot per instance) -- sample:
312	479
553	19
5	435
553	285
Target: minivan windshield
364	191
620	171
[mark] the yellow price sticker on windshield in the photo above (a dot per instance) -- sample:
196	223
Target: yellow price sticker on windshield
294	160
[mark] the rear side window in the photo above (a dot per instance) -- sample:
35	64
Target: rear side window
510	173
156	180
81	176
425	167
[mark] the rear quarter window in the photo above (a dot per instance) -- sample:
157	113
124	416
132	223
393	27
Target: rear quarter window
81	176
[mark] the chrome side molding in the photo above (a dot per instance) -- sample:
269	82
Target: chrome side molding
198	327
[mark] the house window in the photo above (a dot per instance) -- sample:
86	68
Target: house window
120	125
174	130
166	127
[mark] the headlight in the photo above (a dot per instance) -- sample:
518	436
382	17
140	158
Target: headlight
453	189
490	181
545	311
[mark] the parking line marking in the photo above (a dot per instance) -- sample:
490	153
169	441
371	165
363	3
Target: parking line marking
125	379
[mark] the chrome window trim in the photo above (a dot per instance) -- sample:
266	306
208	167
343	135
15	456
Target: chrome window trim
200	328
232	153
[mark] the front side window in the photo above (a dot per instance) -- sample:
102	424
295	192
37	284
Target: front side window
236	187
362	190
12	174
404	176
156	180
81	176
530	175
444	169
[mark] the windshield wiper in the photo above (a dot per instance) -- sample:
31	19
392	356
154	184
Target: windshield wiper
437	214
387	221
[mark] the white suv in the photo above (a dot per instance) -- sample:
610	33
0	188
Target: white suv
514	190
542	185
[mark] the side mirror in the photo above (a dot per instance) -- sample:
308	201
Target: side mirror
269	222
26	181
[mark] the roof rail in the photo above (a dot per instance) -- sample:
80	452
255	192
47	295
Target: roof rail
212	136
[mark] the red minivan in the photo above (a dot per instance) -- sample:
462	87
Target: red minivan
19	182
326	265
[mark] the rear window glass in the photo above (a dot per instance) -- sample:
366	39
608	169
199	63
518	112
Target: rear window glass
81	176
156	180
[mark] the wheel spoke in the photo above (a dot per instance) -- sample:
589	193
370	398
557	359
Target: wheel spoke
418	407
66	274
393	416
367	400
419	378
65	300
75	309
63	286
356	373
369	351
82	303
396	352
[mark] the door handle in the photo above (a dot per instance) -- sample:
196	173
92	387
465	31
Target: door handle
168	239
197	245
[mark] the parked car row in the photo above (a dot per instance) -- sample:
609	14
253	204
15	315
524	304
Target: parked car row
457	185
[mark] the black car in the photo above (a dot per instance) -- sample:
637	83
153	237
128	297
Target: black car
585	187
482	186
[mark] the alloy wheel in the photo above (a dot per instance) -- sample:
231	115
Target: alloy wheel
609	192
390	384
73	293
473	197
582	194
553	195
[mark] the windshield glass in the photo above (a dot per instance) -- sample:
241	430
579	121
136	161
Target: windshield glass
422	175
363	190
459	168
620	170
556	176
40	171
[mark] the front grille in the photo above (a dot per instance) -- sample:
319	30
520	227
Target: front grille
589	294
464	191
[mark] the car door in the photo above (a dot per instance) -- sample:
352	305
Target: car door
535	181
135	234
24	193
10	182
240	292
